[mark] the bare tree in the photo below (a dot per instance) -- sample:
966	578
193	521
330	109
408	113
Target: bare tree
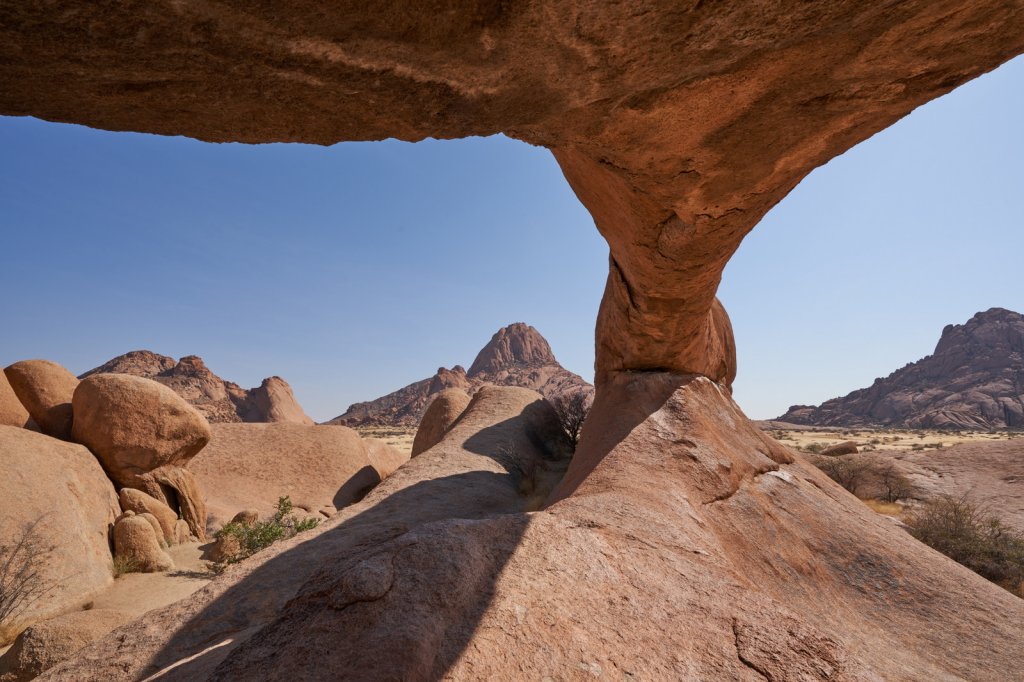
572	409
23	579
848	472
892	483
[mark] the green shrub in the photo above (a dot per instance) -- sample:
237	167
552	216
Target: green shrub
966	533
241	540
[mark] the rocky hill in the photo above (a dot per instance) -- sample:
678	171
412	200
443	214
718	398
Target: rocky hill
973	380
517	355
219	400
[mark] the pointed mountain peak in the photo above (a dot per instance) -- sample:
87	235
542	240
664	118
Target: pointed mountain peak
517	345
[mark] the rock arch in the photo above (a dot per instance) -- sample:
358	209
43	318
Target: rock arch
681	531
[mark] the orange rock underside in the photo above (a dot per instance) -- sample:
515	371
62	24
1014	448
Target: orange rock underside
677	126
682	543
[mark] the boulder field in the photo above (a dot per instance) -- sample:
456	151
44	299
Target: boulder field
122	496
681	543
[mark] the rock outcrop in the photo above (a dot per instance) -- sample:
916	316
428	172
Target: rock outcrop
444	408
136	541
682	543
135	425
478	471
45	644
517	355
179	489
217	399
990	474
973	380
140	503
61	489
44	389
12	412
384	458
250	466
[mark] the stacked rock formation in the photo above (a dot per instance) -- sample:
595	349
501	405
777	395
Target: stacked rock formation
517	355
682	543
217	399
131	485
973	380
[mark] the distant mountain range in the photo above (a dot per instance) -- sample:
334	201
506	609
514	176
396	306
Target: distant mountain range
973	380
517	355
217	399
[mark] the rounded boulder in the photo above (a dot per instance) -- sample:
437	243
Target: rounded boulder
439	416
45	389
137	541
135	425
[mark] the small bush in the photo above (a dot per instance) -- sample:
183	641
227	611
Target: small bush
849	472
814	447
969	535
572	409
23	581
241	540
122	565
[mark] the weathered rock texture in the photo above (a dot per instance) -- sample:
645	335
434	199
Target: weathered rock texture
384	458
12	412
179	489
47	643
683	544
219	400
478	471
44	389
141	503
135	425
62	487
136	540
250	466
973	380
738	561
990	474
517	355
444	408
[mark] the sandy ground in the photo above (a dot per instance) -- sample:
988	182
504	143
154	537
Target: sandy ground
805	439
137	593
398	438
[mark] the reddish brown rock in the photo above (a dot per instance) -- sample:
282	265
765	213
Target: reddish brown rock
517	355
444	409
179	489
135	425
250	466
273	401
62	489
838	592
678	127
12	412
973	380
51	641
44	389
217	399
845	448
384	458
136	541
141	503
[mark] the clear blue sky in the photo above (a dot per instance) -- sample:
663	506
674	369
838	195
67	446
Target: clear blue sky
355	269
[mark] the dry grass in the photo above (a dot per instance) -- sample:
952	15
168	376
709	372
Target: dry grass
887	508
810	440
122	565
397	437
10	632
